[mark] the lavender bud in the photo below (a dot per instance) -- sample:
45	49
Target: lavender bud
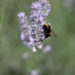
47	49
36	5
34	49
34	72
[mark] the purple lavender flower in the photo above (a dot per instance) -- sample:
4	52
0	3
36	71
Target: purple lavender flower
36	5
33	35
47	49
45	7
34	72
24	26
26	31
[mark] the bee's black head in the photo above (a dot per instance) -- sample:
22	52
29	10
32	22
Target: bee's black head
45	27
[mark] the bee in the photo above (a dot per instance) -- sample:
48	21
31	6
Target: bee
47	30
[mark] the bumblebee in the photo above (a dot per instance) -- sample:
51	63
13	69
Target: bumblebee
47	30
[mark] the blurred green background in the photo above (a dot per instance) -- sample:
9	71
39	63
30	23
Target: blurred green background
60	61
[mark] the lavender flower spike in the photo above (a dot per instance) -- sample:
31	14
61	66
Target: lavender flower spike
24	27
32	35
40	10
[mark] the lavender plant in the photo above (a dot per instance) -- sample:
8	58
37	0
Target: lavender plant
32	35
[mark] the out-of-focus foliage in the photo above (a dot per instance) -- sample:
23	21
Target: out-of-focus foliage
60	61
